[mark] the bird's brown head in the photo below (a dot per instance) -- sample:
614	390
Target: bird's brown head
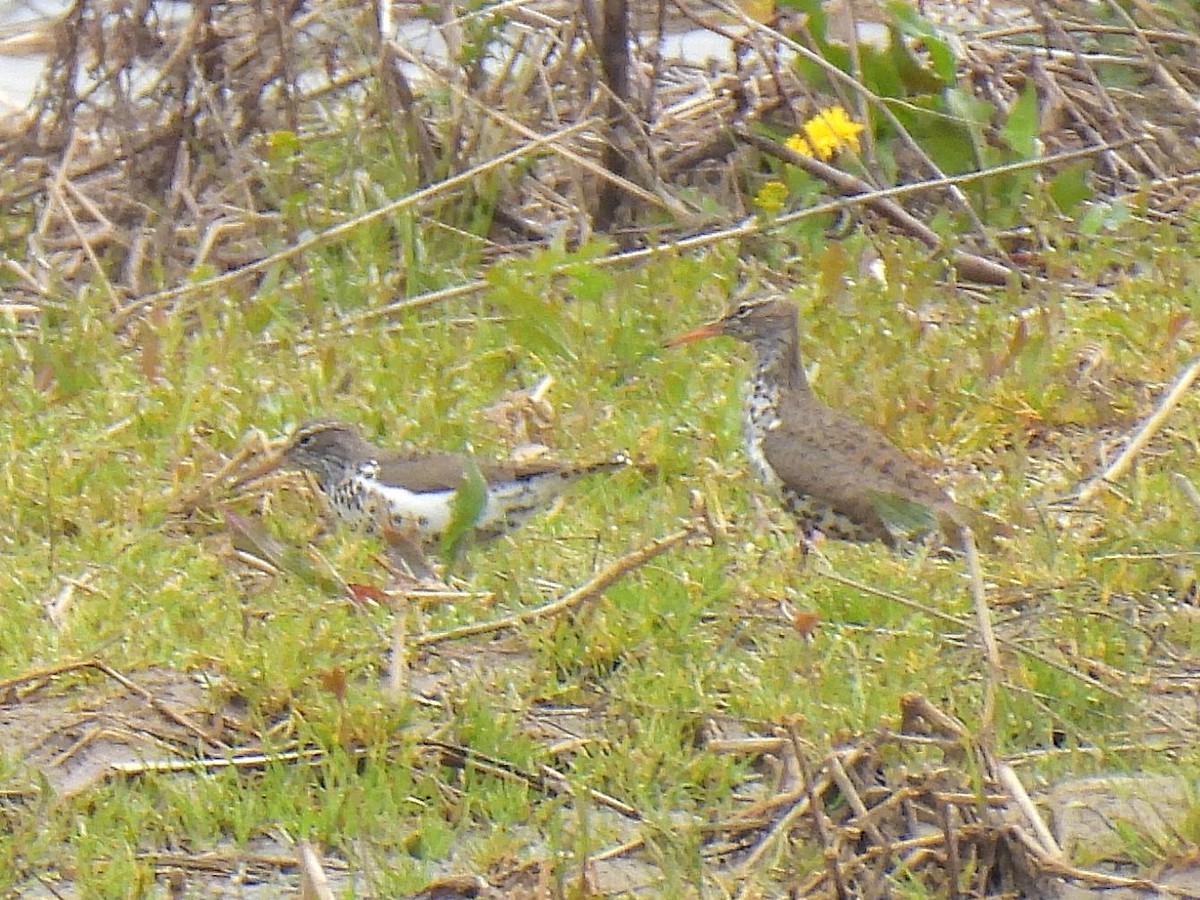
327	449
764	318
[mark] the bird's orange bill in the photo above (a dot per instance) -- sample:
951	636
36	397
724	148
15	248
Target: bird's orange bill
711	329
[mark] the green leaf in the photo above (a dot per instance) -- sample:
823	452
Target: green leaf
974	112
258	314
950	146
465	510
1103	217
882	73
974	115
585	280
915	77
1070	187
815	18
911	23
1021	129
533	323
282	147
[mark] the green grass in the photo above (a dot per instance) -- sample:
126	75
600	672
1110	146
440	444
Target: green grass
102	431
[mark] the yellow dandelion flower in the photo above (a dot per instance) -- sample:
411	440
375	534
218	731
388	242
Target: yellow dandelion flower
830	130
770	196
798	143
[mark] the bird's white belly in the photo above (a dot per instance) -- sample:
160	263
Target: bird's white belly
426	512
429	512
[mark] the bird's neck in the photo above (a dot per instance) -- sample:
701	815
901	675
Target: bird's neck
778	363
329	475
359	459
332	472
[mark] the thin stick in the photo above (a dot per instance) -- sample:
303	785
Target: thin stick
158	705
228	279
746	228
603	579
1188	490
1007	777
398	672
850	793
1016	646
58	195
618	850
314	885
1141	437
987	637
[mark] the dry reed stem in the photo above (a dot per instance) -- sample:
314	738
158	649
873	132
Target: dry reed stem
314	883
964	625
603	579
298	249
398	665
987	637
1008	779
237	761
1138	440
528	133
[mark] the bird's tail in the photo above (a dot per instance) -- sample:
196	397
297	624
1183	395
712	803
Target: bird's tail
618	460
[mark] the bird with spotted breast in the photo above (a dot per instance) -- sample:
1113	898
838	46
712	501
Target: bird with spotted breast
837	475
413	492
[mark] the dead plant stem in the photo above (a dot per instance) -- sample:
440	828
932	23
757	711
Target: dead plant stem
1119	466
603	579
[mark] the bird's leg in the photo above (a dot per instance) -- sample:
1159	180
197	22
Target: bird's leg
405	552
811	540
806	547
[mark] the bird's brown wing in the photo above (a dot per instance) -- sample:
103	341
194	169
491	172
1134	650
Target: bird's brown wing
848	465
444	471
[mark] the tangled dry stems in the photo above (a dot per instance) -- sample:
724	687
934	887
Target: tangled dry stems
141	165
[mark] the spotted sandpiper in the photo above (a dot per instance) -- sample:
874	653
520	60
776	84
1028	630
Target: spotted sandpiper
836	475
413	493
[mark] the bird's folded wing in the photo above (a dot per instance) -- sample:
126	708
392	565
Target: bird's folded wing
444	471
848	465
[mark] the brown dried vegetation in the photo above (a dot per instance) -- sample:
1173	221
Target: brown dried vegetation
142	162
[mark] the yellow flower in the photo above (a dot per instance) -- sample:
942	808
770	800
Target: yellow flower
770	196
799	144
827	132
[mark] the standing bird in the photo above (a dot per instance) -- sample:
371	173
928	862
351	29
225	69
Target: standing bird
836	475
413	493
